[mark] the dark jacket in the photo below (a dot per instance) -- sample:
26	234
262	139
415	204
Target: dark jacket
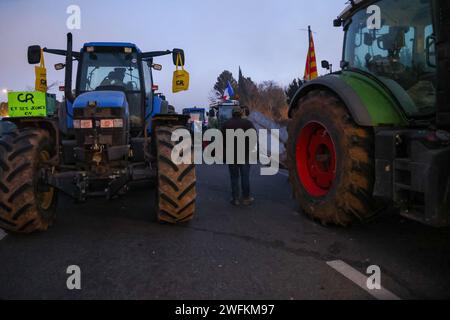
234	124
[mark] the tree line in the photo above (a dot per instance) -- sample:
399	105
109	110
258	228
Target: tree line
267	97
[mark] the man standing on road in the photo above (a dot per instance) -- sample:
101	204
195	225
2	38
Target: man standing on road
239	171
245	112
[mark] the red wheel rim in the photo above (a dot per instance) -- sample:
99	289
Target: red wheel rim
316	159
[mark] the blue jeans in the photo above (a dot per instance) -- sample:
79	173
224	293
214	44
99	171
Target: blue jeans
241	171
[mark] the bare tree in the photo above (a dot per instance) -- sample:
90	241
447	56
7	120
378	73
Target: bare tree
292	89
272	100
267	97
222	83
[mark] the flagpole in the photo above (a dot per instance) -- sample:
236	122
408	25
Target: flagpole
309	34
309	53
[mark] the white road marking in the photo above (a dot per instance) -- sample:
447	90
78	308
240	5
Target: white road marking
2	234
361	280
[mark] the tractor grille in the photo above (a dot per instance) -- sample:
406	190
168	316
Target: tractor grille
105	136
85	113
111	137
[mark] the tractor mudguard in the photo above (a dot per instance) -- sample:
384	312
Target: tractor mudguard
165	119
6	126
48	124
367	101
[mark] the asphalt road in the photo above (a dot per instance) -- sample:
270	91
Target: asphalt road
268	251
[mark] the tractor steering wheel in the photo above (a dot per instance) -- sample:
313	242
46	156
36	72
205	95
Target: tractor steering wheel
110	88
385	66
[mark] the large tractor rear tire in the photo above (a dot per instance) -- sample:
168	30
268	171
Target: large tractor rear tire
330	160
176	184
26	204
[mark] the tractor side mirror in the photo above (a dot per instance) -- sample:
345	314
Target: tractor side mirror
337	22
325	64
34	54
59	66
175	53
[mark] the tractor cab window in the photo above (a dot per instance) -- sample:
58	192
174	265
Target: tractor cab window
196	116
225	113
109	69
147	79
113	71
400	53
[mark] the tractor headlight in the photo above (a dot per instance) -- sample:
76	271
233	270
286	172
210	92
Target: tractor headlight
118	123
106	123
111	123
4	110
82	124
86	124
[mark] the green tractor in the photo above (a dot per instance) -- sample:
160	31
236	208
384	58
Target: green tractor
376	133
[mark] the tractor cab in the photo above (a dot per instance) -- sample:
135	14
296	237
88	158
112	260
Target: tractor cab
394	41
121	67
220	112
195	114
116	67
110	66
197	119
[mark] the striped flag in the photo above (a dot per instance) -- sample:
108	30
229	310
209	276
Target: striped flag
229	92
311	63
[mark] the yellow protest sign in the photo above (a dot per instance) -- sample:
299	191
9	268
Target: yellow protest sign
41	75
27	104
180	80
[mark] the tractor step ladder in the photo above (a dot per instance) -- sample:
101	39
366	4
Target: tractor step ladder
406	190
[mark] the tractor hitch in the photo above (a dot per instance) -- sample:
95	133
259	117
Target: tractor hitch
82	185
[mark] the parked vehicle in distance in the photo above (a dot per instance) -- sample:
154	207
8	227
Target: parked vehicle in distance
220	111
197	119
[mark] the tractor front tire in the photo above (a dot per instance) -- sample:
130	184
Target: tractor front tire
26	204
176	183
331	161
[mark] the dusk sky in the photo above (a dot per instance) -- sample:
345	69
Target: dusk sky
266	38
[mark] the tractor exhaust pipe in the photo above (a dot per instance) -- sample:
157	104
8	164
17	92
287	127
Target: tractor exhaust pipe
69	63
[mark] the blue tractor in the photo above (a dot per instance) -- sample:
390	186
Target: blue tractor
111	131
197	119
